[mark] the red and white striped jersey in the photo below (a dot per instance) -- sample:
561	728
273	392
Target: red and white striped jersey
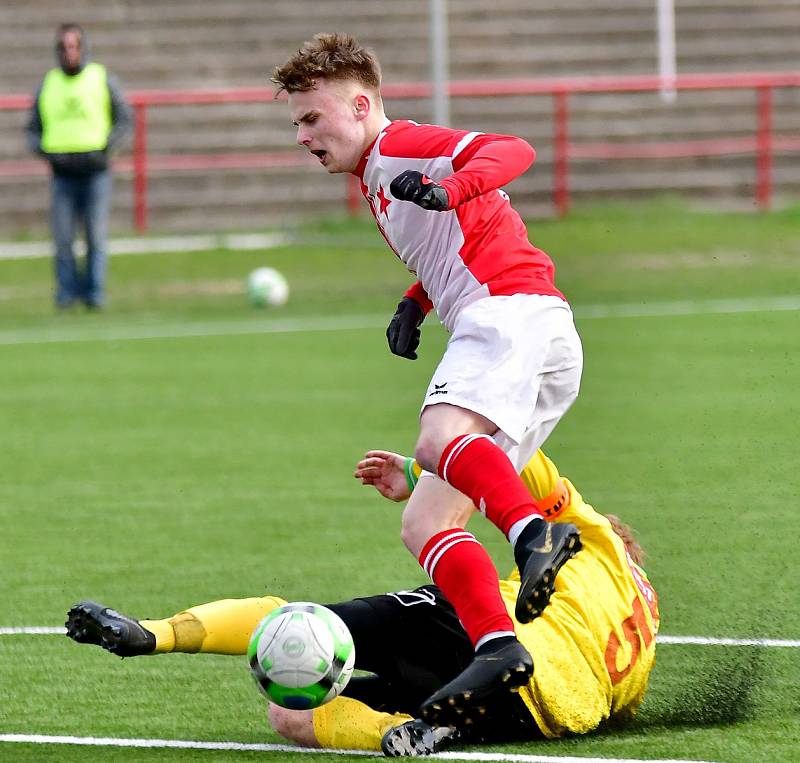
480	246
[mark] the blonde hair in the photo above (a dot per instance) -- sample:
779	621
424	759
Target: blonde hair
627	533
335	56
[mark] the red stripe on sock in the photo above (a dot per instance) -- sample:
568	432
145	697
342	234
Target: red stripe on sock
460	566
476	466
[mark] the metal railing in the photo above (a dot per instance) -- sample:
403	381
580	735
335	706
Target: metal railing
762	144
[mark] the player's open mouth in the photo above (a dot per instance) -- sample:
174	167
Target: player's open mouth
321	155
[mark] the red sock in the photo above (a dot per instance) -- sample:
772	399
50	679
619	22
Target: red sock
460	566
474	465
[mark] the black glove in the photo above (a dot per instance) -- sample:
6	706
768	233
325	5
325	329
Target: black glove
414	186
403	331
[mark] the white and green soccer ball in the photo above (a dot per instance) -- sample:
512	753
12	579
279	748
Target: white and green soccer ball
301	655
266	287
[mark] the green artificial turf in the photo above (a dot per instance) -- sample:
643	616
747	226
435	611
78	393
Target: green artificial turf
213	460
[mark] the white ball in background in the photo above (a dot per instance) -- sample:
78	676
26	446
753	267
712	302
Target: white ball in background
267	287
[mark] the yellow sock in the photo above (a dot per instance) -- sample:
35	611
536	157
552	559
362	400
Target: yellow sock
347	724
162	630
219	627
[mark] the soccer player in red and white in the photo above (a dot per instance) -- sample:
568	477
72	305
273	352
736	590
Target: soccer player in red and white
513	363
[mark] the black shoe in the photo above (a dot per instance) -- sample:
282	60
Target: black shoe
465	699
539	558
416	738
91	623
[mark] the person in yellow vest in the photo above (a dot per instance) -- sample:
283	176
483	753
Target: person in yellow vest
593	646
78	117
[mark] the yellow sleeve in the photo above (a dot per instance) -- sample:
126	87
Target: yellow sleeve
347	724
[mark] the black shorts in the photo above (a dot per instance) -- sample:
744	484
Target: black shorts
413	643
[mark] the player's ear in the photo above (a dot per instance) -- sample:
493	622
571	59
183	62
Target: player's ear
361	106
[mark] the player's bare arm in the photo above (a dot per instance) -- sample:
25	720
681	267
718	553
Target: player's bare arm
386	472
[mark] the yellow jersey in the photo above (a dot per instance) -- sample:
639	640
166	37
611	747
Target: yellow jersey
593	647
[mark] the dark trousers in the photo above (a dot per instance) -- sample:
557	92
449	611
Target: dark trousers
80	200
413	643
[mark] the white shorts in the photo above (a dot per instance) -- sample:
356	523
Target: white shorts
515	360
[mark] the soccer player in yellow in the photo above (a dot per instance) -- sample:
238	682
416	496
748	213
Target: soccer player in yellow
593	646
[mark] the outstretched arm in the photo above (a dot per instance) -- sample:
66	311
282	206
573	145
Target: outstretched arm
391	474
344	724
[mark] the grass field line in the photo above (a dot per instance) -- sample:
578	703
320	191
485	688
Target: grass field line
724	641
94	332
23	250
46	630
121	333
666	309
499	757
171	330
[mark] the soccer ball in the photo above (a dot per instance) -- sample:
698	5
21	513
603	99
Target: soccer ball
301	655
267	287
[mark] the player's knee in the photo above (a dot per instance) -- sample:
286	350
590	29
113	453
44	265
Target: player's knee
428	452
419	527
294	725
409	534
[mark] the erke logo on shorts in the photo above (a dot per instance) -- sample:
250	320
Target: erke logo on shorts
438	389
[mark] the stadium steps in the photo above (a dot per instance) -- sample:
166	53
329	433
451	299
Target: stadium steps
257	198
237	42
205	44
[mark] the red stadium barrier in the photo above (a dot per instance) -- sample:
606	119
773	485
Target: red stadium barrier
762	145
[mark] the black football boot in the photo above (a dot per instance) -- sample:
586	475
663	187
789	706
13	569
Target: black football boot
540	552
416	738
500	665
91	623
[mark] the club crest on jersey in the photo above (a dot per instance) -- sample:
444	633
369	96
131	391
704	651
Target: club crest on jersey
383	201
378	203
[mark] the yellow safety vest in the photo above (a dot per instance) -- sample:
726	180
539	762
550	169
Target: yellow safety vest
75	111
